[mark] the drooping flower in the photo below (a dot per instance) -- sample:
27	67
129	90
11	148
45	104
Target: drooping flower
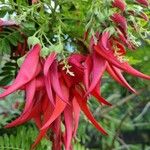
120	21
112	53
115	62
55	95
143	2
119	4
52	93
26	73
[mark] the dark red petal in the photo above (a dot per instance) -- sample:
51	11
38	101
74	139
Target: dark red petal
104	40
60	106
30	92
99	66
55	81
119	20
49	62
119	4
49	89
76	60
122	37
39	82
96	94
69	126
27	71
38	121
87	71
76	110
57	137
47	109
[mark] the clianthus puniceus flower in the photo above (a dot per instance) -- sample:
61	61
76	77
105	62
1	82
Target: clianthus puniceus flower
51	94
114	56
119	4
120	21
54	96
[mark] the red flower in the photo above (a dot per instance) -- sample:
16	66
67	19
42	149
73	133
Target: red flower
51	93
115	64
26	73
119	4
143	2
120	21
55	96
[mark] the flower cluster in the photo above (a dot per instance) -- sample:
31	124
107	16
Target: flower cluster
54	97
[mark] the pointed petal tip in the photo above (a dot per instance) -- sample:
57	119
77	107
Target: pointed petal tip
109	104
106	134
135	92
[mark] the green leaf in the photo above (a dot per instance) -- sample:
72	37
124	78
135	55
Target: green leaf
21	138
8	68
12	39
5	47
133	61
6	80
29	25
1	142
6	139
8	38
10	64
18	37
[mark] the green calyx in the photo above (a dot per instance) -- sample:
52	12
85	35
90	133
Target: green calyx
21	60
45	51
32	40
